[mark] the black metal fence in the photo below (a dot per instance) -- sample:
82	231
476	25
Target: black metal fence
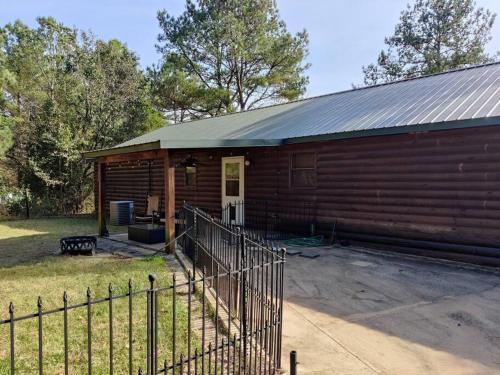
239	276
272	219
252	287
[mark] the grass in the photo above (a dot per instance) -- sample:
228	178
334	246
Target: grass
27	240
49	278
27	270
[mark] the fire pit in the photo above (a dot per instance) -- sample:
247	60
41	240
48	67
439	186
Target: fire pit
78	245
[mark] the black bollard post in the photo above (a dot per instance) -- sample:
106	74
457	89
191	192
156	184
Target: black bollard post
293	362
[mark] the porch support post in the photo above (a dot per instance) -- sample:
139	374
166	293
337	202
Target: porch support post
169	185
101	204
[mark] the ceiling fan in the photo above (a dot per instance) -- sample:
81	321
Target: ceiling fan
190	161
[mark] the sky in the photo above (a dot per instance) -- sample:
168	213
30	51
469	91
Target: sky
344	34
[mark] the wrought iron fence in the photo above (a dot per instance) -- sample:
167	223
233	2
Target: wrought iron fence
272	219
252	291
244	278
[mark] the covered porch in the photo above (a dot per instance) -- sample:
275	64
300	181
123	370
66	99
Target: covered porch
241	186
137	176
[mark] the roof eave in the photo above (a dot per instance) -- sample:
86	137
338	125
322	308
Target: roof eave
226	143
394	130
218	143
122	150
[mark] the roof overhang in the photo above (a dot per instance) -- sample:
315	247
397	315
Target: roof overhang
406	129
224	143
122	150
182	144
216	143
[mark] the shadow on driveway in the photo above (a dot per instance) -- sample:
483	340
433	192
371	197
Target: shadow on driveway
356	312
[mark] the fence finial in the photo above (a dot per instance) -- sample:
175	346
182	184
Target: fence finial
152	279
11	307
39	302
110	287
89	292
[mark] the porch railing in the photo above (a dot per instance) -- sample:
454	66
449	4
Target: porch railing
272	219
252	291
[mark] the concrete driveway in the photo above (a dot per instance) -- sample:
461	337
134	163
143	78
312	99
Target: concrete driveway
357	312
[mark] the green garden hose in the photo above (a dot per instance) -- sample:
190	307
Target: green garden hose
315	241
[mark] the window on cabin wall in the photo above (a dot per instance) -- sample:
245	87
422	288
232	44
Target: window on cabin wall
190	176
303	170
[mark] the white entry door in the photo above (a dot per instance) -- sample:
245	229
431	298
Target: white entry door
233	189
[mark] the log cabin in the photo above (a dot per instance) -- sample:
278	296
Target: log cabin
410	166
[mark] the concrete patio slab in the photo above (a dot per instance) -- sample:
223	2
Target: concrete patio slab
359	312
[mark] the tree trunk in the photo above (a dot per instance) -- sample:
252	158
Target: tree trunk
27	203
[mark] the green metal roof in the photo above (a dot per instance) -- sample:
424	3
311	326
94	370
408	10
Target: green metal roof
461	98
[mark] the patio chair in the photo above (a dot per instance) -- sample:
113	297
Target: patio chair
152	209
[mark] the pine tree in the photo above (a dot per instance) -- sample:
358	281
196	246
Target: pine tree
433	36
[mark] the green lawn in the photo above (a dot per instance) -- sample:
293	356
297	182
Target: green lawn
50	278
29	240
26	272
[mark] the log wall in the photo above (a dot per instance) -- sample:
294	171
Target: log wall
436	186
134	181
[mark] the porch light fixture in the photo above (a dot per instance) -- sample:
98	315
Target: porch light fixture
188	162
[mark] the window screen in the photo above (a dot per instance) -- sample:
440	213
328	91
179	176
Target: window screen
303	170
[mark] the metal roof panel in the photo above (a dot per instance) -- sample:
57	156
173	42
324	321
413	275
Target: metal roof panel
465	94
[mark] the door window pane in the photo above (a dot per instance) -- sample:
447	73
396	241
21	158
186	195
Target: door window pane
233	171
232	188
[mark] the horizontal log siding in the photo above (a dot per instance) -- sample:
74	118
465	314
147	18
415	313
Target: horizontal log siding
436	186
133	181
206	193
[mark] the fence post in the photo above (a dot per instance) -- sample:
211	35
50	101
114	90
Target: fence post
195	250
243	313
40	336
293	362
12	340
237	291
265	222
152	349
280	315
89	330
211	237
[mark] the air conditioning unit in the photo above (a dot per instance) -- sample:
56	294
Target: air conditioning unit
121	212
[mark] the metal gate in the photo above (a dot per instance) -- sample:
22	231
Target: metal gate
251	288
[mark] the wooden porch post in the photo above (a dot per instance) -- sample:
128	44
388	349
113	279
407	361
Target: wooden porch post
101	204
169	185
